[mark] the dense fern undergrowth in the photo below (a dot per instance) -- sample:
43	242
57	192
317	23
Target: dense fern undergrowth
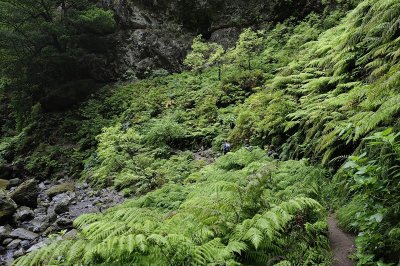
325	89
242	209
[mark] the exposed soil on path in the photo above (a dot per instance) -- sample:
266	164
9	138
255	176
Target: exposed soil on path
342	244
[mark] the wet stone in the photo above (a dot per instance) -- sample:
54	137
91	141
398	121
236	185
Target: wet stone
4	232
23	214
36	246
61	206
40	223
7	206
25	243
70	234
23	234
64	222
14	244
7	241
20	252
26	194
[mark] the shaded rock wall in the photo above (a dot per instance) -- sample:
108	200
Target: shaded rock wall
156	34
152	38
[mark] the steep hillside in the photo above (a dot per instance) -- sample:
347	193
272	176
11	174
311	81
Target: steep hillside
322	90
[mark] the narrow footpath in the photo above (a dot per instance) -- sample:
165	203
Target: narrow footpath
342	244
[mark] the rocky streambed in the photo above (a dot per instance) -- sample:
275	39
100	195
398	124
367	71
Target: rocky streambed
30	211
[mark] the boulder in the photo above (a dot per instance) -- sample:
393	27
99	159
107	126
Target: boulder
26	194
7	241
40	211
42	186
7	206
60	204
14	244
23	214
64	222
14	182
61	207
5	232
71	234
20	252
51	214
40	223
4	183
25	243
23	234
36	246
61	188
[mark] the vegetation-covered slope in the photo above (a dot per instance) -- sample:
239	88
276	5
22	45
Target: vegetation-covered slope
324	89
244	208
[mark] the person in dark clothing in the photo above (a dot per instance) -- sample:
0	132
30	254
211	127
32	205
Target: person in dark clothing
271	152
226	147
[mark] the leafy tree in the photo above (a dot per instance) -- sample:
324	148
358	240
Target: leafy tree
43	45
205	54
247	47
196	59
216	57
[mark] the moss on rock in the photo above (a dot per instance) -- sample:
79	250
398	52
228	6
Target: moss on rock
4	183
61	188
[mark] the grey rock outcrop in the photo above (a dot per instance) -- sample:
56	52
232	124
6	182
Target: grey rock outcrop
7	206
153	37
26	194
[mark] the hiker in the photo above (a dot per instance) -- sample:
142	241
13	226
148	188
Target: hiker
271	152
226	147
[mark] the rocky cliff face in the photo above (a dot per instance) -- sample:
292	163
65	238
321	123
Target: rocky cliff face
154	36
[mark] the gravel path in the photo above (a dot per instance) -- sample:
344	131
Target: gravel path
342	244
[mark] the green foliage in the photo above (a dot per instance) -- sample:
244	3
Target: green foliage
42	49
165	132
370	183
228	214
97	20
196	59
248	45
324	88
204	55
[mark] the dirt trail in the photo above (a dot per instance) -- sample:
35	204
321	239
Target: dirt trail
342	244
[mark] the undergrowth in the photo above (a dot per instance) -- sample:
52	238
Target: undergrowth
243	209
